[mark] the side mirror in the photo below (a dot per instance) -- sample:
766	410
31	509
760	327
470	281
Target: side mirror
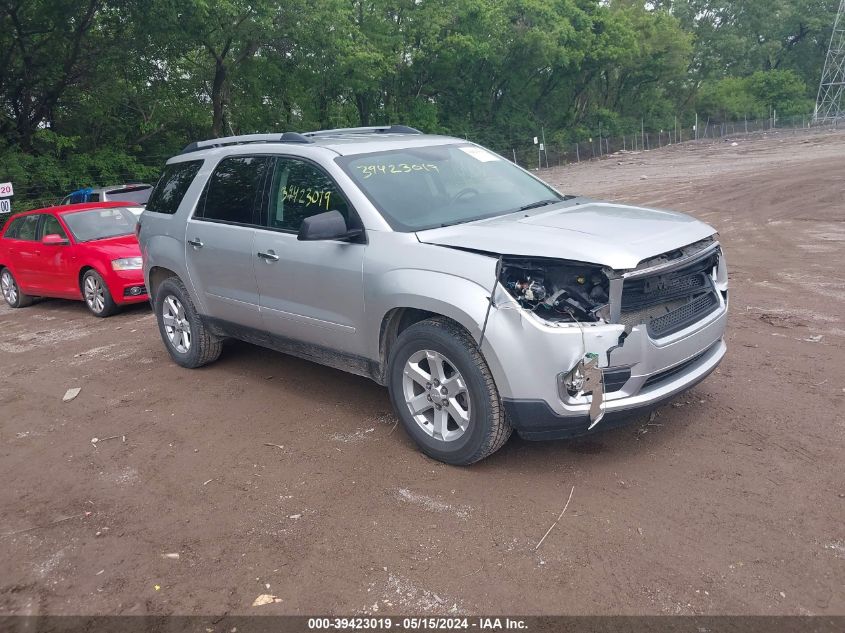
326	226
54	239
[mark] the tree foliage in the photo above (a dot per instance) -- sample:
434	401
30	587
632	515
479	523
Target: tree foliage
93	91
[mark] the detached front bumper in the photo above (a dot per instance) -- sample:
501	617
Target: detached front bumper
528	356
536	420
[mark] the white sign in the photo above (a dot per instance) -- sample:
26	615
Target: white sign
479	154
535	140
542	147
5	205
6	190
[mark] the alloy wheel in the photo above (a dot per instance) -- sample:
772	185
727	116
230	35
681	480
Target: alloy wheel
176	324
436	395
95	294
10	289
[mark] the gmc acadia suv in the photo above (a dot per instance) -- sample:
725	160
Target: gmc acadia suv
482	298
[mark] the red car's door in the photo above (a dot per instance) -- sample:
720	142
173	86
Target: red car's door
56	260
25	254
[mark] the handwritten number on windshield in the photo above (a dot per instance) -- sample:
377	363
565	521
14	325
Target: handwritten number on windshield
368	171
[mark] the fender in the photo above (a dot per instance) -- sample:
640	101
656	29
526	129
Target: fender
455	297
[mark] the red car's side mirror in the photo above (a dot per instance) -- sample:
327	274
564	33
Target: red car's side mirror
54	239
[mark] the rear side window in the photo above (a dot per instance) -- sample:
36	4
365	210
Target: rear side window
233	190
14	227
174	182
28	229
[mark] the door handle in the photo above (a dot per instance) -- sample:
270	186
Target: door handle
269	256
196	243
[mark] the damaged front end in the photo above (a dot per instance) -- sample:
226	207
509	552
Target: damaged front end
596	309
565	292
558	291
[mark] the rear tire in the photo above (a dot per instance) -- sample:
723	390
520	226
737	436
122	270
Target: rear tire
186	337
96	295
444	394
12	292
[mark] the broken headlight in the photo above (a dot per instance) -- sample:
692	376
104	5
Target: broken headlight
557	290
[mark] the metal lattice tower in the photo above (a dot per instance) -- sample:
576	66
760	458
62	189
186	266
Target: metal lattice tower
829	106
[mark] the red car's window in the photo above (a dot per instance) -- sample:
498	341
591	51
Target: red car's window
14	226
28	229
51	226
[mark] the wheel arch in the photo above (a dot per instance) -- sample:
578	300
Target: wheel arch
81	275
156	276
467	313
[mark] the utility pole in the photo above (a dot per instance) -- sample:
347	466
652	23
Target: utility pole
545	147
829	99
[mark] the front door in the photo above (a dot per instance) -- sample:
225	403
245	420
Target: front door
309	291
57	261
219	241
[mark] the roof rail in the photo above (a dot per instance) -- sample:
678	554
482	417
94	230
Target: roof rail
287	137
378	129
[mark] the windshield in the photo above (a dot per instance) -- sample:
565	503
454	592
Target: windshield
426	187
99	224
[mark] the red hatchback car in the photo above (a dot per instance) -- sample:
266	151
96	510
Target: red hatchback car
81	251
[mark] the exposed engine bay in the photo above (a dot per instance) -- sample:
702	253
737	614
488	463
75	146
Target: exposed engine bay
556	290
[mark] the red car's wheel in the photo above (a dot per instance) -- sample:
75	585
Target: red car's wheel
11	292
97	296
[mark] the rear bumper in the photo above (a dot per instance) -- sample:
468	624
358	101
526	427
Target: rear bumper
536	420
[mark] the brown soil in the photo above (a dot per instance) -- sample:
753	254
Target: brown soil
267	474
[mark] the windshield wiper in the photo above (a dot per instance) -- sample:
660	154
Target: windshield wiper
537	205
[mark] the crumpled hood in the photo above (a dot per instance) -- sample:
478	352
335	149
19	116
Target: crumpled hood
613	235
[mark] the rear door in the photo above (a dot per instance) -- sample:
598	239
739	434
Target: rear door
25	253
309	291
219	241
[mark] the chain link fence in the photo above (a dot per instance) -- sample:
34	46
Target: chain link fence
546	155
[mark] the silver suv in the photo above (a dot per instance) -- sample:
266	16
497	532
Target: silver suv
482	298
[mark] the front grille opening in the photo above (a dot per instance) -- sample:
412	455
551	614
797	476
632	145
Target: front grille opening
669	302
683	317
661	288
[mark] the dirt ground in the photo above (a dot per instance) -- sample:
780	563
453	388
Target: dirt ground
270	475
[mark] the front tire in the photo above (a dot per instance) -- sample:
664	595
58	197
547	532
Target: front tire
186	337
12	292
444	394
97	296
